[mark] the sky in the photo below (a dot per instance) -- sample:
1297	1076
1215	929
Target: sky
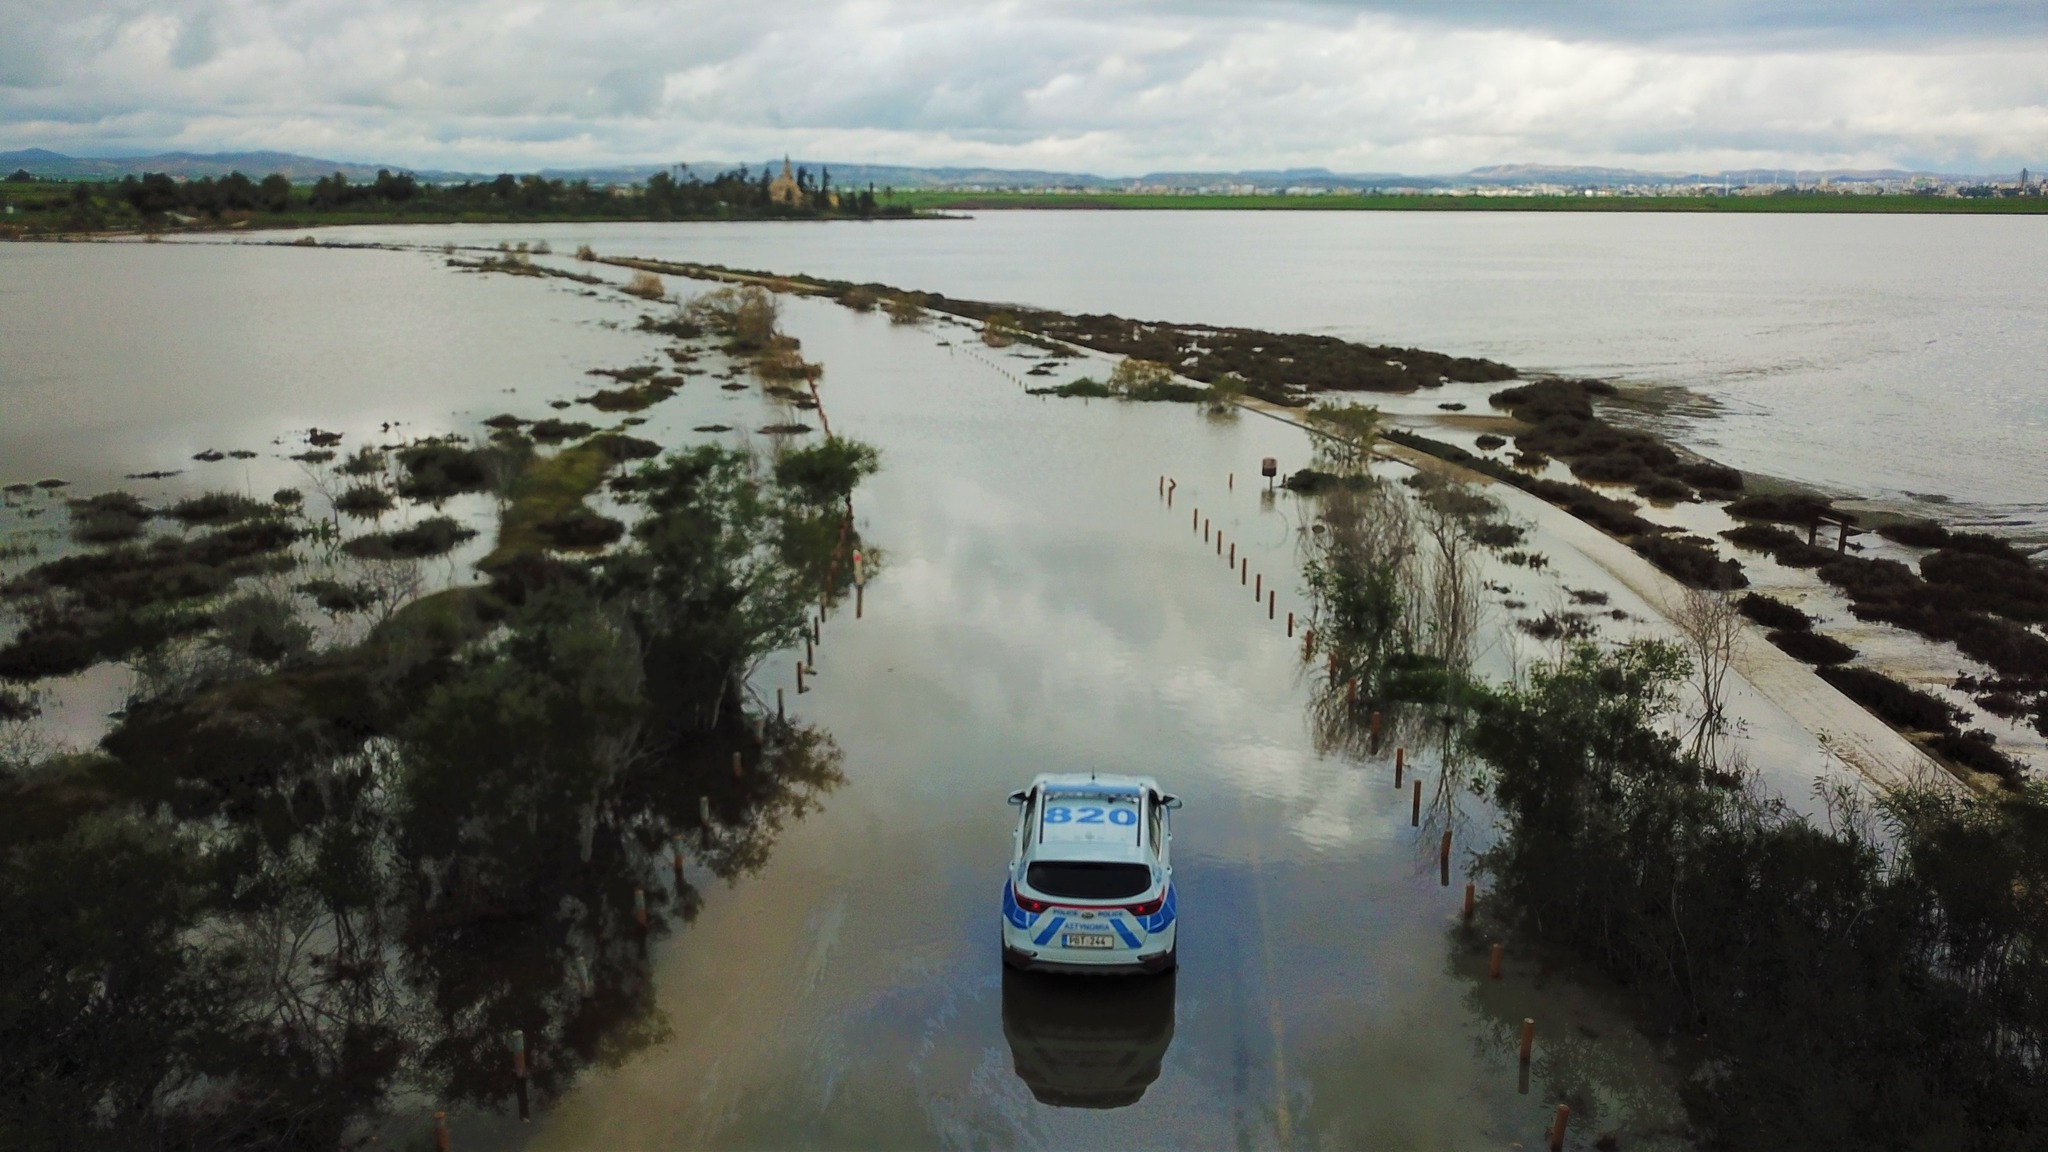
1116	87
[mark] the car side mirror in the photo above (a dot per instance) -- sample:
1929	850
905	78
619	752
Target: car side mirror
1169	802
1018	797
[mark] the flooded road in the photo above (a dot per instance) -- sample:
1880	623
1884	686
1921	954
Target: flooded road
1033	604
1040	609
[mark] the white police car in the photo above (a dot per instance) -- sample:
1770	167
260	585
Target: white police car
1091	876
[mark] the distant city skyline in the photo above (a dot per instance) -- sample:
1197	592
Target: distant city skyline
1116	90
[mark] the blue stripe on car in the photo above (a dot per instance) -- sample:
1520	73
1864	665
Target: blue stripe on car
1051	926
1158	921
1013	912
1130	941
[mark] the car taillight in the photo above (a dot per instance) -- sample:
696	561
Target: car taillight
1026	902
1148	908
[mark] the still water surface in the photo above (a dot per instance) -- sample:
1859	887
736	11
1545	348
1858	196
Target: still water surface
1881	356
1037	609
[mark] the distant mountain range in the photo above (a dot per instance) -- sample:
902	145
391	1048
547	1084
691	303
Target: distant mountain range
44	163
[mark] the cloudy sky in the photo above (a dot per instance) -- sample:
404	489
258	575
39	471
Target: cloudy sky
1110	86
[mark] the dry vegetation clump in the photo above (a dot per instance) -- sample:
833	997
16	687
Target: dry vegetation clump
585	252
860	299
580	529
905	309
645	285
745	315
999	329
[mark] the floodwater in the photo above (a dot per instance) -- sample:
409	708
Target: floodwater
1036	605
1892	357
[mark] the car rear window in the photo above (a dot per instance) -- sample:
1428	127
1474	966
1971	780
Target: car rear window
1087	880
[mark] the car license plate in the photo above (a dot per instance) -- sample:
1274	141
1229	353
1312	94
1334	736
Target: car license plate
1089	940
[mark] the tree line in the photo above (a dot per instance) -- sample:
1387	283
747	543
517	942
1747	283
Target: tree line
155	198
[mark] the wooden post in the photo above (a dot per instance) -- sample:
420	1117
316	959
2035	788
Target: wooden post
442	1140
1443	859
860	594
676	853
1197	514
1219	544
1272	604
810	653
1468	902
818	627
518	1054
1233	553
1290	625
779	713
1400	766
1493	964
583	975
1244	571
1162	485
1375	722
800	678
1812	530
735	765
1259	586
640	908
1528	1038
1415	810
1842	541
1564	1114
1308	645
1233	481
1350	689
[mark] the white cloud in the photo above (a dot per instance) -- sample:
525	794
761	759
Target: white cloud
1106	87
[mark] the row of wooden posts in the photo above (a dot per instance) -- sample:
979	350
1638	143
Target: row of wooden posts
1167	485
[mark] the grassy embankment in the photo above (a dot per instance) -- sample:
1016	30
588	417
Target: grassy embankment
962	201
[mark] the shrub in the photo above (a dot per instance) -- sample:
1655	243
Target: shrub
1692	564
1785	508
338	598
1811	647
1893	702
1664	490
364	500
826	473
580	528
554	431
434	472
108	518
1773	613
432	537
1978	751
217	508
1489	442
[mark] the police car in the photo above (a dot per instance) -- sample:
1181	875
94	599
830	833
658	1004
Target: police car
1091	876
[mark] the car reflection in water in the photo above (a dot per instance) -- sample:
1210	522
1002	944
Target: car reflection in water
1087	1042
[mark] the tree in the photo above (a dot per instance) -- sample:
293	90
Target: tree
275	192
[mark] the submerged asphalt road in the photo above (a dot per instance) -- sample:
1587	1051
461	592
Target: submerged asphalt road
1038	608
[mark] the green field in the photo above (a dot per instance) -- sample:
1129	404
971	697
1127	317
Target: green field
960	201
